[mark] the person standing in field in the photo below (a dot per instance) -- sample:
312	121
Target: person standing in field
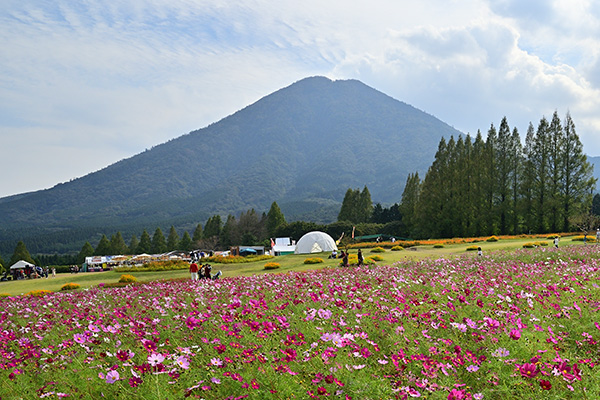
556	242
194	271
360	258
597	235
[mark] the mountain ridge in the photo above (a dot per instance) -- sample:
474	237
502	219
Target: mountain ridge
302	146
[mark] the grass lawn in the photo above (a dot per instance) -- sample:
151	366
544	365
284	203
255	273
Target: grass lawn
288	263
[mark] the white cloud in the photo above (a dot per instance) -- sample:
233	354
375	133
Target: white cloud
96	82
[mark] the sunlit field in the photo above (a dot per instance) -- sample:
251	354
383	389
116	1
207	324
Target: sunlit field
518	324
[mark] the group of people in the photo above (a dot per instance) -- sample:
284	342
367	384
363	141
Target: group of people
202	272
344	256
197	255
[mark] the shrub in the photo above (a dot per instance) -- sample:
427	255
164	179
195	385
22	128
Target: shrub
472	248
4	295
127	279
529	245
397	248
375	257
70	286
171	265
237	259
378	249
314	260
41	293
492	239
272	265
438	246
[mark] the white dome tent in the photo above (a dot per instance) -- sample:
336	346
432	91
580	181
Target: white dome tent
315	242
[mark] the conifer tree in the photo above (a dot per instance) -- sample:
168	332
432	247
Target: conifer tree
479	168
103	247
365	205
504	169
275	218
186	242
172	239
349	205
86	251
433	195
3	266
541	166
213	227
527	208
555	172
117	244
228	233
578	181
145	244
133	244
410	202
198	234
159	244
20	253
516	172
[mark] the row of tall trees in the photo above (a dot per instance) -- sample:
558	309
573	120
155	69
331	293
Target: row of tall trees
497	186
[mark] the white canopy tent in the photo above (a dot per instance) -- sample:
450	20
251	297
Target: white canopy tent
315	242
21	264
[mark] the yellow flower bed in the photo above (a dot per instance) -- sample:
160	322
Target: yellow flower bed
70	286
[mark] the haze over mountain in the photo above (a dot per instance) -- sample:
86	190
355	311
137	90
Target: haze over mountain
302	146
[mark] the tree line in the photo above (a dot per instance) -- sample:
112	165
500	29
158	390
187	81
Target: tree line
499	186
474	187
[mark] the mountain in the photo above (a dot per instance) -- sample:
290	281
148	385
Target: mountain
302	146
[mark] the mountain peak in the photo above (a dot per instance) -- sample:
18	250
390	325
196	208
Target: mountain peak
302	146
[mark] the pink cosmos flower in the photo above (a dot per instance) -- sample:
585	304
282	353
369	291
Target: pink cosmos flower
545	385
529	370
515	334
135	381
112	377
183	362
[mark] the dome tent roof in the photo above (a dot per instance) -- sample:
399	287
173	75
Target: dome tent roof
315	242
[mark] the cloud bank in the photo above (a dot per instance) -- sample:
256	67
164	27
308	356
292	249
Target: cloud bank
85	84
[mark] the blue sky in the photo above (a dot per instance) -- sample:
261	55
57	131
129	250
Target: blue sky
84	84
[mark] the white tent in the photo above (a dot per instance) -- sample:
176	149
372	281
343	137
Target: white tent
315	242
21	265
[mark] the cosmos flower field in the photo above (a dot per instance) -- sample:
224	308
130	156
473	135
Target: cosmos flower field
524	324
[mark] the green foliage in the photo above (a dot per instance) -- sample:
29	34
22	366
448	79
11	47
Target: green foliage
472	248
186	242
275	218
86	251
492	239
397	248
117	244
159	244
438	246
378	250
213	227
145	244
20	253
173	239
103	247
198	234
356	206
133	244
